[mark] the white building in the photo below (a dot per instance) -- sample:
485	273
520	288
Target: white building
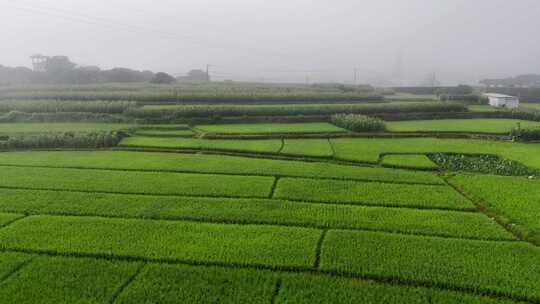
502	101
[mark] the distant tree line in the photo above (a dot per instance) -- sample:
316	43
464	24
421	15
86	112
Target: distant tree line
60	70
523	81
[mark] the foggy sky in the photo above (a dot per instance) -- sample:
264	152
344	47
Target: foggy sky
282	40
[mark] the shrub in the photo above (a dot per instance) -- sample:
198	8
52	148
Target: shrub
358	123
15	116
531	134
489	164
64	140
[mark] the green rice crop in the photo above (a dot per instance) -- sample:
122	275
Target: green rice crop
483	108
6	218
506	268
9	262
265	211
188	284
368	150
201	163
259	146
307	147
67	280
517	200
53	106
164	240
34	128
164	133
135	182
372	193
310	289
484	125
409	161
269	128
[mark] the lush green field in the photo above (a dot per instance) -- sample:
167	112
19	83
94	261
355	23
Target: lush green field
268	146
515	200
484	108
20	128
121	226
200	163
408	161
270	128
460	125
164	133
386	194
368	150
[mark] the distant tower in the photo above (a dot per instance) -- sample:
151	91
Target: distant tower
38	62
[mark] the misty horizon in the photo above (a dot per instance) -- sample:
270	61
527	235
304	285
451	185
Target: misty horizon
292	41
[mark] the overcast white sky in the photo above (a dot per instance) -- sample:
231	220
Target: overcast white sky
460	40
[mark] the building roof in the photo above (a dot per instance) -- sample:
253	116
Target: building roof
495	95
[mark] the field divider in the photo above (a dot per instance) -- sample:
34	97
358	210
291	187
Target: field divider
332	148
360	180
277	289
483	208
23	216
392	281
126	283
18	268
274	186
282	145
318	248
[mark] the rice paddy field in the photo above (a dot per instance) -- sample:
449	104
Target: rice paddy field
168	216
501	126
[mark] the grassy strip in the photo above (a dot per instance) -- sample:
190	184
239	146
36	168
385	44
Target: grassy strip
516	201
368	150
264	146
201	163
498	268
270	128
332	191
135	182
34	128
408	161
188	284
272	212
311	147
268	246
66	280
309	289
486	125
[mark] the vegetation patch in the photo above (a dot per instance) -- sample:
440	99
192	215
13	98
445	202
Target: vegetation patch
270	128
515	200
358	122
101	139
253	211
495	126
383	194
164	183
415	161
308	147
164	240
503	268
478	163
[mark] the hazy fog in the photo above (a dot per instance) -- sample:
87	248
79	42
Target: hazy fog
282	40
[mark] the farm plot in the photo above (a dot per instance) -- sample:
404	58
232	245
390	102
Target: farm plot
201	163
163	183
417	161
308	147
252	211
270	128
164	133
496	126
503	268
164	240
515	200
258	146
385	194
35	128
368	150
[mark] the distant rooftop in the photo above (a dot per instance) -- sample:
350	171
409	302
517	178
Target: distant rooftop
495	95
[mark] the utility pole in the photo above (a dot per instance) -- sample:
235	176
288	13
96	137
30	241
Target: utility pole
355	76
208	72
